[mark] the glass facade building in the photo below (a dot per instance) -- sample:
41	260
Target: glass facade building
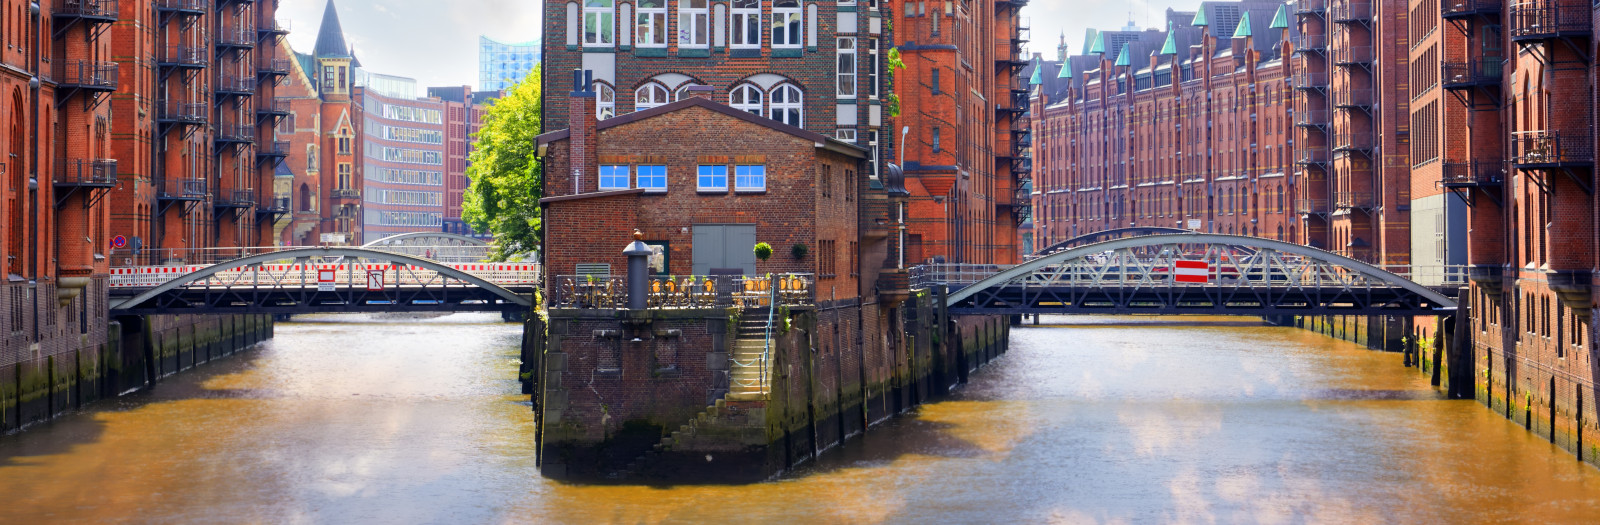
502	65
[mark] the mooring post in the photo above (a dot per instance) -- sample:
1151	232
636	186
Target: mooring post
638	272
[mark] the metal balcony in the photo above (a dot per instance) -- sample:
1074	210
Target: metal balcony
272	28
1310	43
86	173
1353	200
181	7
1455	9
1309	80
1349	12
234	39
1551	149
1473	174
182	57
272	110
1310	7
91	11
275	151
231	86
1352	98
1469	75
235	200
1310	206
1353	141
183	190
1352	55
1311	118
185	113
1550	19
1314	155
272	68
230	134
87	75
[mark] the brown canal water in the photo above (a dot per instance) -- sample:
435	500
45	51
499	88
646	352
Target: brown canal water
1093	420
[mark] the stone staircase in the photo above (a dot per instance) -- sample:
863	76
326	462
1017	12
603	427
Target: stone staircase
746	383
748	378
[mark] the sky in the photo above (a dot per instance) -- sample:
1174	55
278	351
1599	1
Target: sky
436	41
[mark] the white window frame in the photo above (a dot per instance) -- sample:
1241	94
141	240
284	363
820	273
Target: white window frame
786	25
872	148
694	22
872	68
642	177
605	101
847	59
700	178
652	24
845	135
745	177
643	97
746	24
602	16
609	172
747	91
785	98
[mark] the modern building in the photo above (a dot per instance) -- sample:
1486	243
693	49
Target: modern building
502	65
1451	139
822	67
463	114
403	166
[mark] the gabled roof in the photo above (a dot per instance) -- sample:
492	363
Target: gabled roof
822	141
1122	58
1244	26
1171	47
1037	75
1200	18
1281	19
330	39
1099	43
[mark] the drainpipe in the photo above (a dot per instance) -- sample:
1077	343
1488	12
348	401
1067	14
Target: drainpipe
33	163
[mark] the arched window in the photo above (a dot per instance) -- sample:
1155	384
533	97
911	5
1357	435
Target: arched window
305	197
746	97
1281	207
19	181
606	104
649	96
788	105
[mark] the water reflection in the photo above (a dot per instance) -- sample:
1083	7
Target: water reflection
1113	420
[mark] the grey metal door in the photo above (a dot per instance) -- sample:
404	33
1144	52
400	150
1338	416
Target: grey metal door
724	246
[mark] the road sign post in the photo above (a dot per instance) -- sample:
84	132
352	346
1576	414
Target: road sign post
325	277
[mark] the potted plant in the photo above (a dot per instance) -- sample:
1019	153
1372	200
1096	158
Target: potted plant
798	250
763	251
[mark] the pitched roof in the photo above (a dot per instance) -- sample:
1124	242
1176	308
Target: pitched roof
330	39
1244	26
1200	18
1281	19
822	141
1171	47
1122	58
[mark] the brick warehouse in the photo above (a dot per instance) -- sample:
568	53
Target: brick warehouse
194	141
823	69
1448	136
59	171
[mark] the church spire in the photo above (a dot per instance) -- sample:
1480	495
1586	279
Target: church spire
330	39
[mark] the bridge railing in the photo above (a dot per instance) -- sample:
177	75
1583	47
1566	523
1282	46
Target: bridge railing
145	257
289	274
683	292
1244	269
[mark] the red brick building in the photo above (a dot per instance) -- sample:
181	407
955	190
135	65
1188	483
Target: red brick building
196	105
55	187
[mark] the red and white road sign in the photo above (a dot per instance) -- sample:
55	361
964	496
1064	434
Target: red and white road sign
374	280
325	277
1192	272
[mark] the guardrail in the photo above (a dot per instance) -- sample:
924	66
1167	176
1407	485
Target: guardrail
606	292
305	275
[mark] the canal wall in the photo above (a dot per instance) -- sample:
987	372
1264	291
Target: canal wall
650	394
117	358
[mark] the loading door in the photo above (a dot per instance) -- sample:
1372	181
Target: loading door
724	246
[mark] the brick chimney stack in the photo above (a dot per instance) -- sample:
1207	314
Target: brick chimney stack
704	92
583	137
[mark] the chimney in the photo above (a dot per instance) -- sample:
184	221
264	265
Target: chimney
583	137
703	92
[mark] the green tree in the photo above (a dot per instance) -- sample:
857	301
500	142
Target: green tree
506	185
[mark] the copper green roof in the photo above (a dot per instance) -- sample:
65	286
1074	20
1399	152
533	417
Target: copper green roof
1037	75
1244	26
1200	17
1066	70
1281	20
1122	58
1099	43
1171	48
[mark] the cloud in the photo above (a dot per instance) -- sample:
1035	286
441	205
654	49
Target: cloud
1049	18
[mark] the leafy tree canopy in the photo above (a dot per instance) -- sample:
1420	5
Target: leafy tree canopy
503	196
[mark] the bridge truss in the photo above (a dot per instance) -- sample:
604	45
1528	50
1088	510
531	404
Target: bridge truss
1243	276
298	281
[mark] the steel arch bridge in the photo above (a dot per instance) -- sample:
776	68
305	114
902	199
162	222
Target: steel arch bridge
1105	235
439	246
1140	275
298	281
